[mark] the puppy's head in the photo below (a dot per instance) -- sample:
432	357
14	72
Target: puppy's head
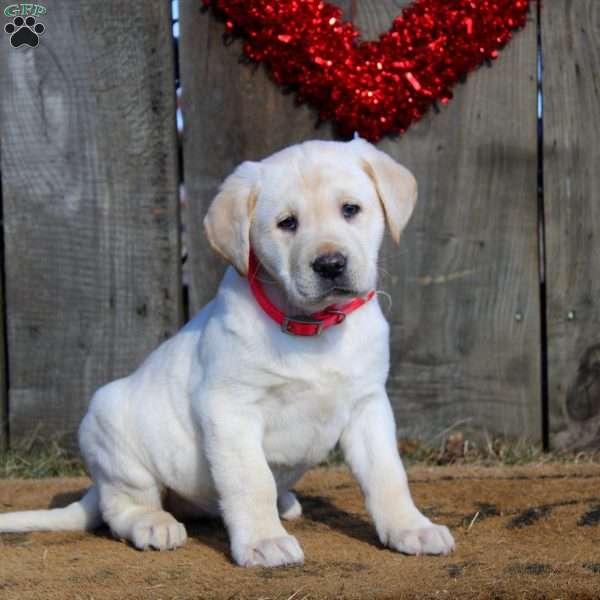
314	215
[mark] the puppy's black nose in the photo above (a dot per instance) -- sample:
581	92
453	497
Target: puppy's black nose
330	265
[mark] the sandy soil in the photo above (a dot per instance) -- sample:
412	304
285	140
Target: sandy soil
531	532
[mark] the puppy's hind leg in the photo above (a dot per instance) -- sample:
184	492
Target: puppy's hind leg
288	506
137	515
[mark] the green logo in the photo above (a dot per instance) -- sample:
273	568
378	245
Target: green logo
25	10
25	29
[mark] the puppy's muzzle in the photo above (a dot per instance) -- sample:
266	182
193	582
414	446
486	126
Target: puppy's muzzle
330	265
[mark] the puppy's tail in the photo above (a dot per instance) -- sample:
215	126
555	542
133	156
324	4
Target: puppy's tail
83	514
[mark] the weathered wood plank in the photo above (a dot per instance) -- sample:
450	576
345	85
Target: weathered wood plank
468	263
231	113
464	282
90	194
571	52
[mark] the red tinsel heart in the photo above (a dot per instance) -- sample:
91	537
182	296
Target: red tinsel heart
374	88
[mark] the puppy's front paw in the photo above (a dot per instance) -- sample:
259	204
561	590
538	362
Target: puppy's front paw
158	530
273	552
430	539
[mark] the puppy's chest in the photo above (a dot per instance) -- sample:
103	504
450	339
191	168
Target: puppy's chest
304	417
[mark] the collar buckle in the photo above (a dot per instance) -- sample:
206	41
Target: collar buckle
287	321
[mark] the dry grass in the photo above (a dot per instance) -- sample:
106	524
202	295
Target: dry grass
37	459
457	448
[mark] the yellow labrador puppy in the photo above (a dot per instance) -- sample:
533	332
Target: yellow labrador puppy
289	359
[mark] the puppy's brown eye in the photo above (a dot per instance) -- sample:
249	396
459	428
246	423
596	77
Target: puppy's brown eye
288	224
350	210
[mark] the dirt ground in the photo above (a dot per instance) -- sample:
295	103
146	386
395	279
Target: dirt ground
526	532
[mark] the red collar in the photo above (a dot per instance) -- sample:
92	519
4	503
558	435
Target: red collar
301	325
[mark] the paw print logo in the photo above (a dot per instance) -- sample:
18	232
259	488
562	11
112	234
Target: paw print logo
24	32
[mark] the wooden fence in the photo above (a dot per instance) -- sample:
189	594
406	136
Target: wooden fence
495	318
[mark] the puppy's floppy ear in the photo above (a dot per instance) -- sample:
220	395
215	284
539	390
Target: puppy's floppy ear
227	222
396	186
